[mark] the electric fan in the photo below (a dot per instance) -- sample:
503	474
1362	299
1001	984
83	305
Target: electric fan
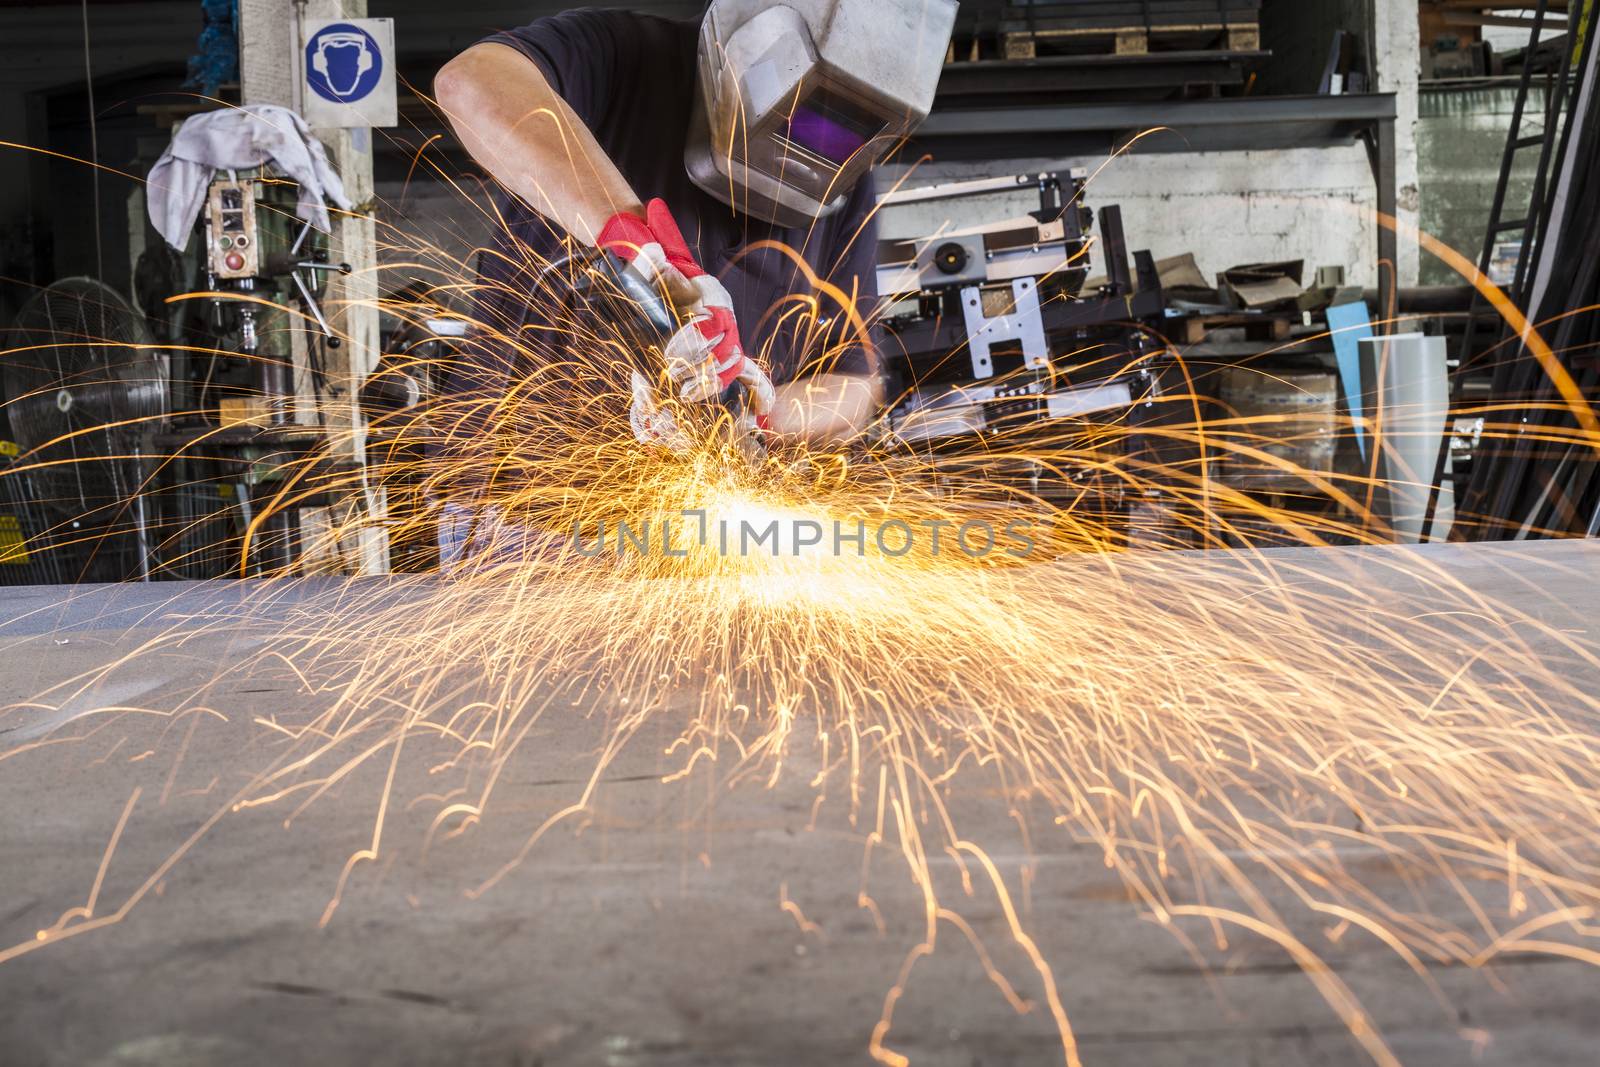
84	384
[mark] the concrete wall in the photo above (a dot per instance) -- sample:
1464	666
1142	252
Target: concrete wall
1397	49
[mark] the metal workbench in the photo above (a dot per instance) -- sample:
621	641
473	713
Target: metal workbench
658	935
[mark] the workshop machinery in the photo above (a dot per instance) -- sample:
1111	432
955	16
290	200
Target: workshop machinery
162	440
996	346
85	388
249	407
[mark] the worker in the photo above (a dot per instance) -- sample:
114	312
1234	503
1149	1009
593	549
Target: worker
693	151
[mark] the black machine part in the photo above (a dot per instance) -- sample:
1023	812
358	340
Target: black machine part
85	385
1050	245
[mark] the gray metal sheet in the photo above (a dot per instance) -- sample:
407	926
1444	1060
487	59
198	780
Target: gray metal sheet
683	924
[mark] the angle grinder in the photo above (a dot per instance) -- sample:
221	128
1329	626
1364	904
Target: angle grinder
603	283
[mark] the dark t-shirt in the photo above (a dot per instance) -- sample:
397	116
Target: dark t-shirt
631	79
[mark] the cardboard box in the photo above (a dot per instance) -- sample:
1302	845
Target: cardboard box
239	411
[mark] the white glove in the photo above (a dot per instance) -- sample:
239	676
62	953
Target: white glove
705	356
652	425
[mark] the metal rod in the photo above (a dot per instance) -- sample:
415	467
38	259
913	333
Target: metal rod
311	305
140	520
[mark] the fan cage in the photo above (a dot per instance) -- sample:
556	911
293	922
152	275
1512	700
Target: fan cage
84	385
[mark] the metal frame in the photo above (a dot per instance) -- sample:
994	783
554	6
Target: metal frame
1022	322
1557	84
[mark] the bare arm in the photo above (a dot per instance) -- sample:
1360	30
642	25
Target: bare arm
529	140
515	125
827	407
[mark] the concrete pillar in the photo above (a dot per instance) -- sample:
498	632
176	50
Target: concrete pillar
1396	42
271	40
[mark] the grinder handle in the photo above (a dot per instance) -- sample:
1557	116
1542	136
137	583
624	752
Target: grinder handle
653	309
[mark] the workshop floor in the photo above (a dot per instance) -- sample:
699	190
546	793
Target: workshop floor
682	923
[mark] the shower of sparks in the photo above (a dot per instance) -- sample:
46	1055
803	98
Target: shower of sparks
1226	753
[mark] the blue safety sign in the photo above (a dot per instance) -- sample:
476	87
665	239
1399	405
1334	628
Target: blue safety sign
347	73
343	63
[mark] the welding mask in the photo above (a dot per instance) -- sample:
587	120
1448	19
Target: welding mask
798	100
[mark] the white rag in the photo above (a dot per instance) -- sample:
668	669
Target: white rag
238	139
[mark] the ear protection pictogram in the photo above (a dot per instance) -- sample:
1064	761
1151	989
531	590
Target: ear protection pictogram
319	58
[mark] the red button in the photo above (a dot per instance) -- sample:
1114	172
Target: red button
234	261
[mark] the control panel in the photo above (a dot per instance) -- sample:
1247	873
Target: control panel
235	240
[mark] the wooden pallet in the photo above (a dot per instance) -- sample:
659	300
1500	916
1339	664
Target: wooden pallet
1195	328
1132	40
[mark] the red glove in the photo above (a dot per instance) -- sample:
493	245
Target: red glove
705	356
